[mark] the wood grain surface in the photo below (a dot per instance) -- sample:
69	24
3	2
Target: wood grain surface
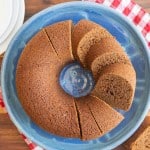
10	139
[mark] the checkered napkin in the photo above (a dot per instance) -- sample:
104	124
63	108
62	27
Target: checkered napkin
131	10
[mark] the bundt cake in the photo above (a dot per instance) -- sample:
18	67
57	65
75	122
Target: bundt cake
140	140
43	98
107	51
88	125
80	29
85	34
92	116
60	36
116	85
39	91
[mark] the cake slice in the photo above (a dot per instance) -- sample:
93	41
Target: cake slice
39	91
60	36
88	126
96	118
107	51
141	138
37	52
85	34
106	117
79	30
116	85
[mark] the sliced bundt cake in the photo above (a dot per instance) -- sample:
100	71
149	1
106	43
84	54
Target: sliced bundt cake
116	85
60	36
107	51
35	52
39	90
106	117
85	34
79	30
96	118
39	70
88	126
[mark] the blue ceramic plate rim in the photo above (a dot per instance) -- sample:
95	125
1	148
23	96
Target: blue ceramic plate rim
79	4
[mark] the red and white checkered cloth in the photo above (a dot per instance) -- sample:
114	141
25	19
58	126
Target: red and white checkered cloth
133	11
130	9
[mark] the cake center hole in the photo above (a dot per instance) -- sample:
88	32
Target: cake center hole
75	80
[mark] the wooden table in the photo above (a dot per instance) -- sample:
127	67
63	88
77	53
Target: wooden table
10	139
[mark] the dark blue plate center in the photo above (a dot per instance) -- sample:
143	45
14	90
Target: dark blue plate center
75	80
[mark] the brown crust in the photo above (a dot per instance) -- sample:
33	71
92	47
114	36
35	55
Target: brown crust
39	91
89	39
106	117
34	54
124	70
96	117
89	127
80	29
107	51
85	34
116	85
38	86
60	36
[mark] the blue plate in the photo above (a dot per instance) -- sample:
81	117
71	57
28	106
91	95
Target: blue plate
129	37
